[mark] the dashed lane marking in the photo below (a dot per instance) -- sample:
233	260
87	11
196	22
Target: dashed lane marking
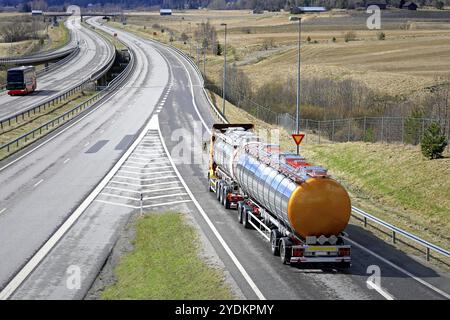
38	183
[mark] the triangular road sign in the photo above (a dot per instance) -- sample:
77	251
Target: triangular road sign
298	137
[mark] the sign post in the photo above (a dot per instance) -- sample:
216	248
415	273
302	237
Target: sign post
298	138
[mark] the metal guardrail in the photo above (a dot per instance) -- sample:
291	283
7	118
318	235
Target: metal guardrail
71	114
356	211
58	64
397	231
63	95
38	58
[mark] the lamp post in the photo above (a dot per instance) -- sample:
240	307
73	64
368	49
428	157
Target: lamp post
224	69
297	115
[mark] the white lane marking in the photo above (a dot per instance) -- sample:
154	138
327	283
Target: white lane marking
145	154
101	131
117	204
380	290
143	168
143	185
192	92
3	210
233	257
118	196
149	148
145	174
409	274
18	279
122	189
149	139
86	144
38	183
67	160
148	158
146	179
166	196
159	190
165	203
134	162
147	162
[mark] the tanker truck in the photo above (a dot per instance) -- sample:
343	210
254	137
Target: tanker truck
294	205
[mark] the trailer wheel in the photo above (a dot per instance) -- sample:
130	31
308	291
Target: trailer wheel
239	212
245	222
285	252
226	202
218	190
274	242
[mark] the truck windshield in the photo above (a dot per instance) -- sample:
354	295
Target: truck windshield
15	80
15	77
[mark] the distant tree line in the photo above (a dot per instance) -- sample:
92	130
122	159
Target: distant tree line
272	5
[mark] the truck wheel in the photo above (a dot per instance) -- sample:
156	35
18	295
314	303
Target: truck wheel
218	190
239	212
274	242
223	193
245	219
285	250
226	202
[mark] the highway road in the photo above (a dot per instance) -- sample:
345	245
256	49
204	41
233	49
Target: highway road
94	53
90	176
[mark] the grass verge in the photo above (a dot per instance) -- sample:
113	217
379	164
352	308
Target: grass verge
166	264
59	36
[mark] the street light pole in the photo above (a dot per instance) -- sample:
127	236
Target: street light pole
297	116
224	69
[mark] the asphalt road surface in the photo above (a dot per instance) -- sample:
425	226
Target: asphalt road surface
40	191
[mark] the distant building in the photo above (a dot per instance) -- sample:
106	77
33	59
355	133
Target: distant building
165	12
298	10
409	5
382	4
37	12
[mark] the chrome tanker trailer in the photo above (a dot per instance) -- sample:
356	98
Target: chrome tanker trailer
293	204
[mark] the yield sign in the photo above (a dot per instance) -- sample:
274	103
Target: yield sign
298	137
